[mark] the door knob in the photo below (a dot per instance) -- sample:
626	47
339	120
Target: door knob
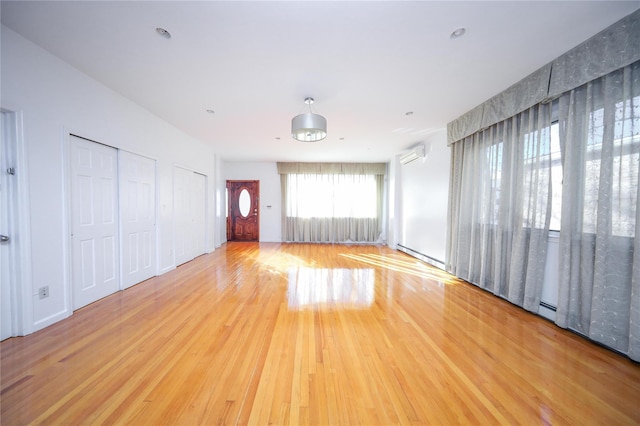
3	238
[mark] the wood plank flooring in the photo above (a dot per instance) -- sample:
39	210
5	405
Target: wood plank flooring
311	334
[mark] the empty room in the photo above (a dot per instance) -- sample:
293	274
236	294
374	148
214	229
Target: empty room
319	212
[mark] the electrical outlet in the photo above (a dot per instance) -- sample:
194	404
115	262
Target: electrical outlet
43	292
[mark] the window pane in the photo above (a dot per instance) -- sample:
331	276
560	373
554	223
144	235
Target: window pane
244	202
353	196
617	177
556	178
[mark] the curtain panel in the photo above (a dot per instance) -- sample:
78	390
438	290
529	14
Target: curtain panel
500	207
599	292
332	202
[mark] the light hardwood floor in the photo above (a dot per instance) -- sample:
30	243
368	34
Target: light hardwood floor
311	334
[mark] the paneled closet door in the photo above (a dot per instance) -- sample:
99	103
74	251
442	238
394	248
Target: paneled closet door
189	210
137	217
94	221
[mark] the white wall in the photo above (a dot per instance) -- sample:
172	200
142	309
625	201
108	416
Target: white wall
393	210
270	196
56	99
423	189
221	206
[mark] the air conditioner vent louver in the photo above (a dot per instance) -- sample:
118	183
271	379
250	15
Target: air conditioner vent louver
415	153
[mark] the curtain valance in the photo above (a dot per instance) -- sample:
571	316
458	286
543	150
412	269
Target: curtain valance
613	48
333	168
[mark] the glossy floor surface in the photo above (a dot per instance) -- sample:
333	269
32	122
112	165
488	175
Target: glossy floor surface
311	334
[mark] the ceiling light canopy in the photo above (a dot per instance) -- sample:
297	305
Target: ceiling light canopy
309	127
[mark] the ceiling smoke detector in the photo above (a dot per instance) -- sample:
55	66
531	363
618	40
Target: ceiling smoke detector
164	33
458	33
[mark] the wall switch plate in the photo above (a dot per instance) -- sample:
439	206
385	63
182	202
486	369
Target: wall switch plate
43	292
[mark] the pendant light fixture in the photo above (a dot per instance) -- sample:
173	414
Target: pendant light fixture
309	127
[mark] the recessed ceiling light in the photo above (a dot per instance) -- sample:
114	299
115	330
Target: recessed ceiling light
458	33
164	33
210	111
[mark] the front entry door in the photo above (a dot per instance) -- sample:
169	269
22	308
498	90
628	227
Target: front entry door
243	216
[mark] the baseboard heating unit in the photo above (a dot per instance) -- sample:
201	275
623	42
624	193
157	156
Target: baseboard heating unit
425	258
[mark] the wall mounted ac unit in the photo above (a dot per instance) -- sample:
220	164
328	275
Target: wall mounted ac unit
415	153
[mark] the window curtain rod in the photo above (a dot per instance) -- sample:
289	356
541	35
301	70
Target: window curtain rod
333	168
613	48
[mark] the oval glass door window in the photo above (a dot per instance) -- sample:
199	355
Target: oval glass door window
244	202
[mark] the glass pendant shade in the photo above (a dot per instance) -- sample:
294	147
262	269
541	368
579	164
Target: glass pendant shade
309	127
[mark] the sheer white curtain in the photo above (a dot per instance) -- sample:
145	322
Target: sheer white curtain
332	207
600	269
500	207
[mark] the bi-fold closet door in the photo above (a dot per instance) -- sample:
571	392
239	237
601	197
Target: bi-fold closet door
113	236
189	209
138	217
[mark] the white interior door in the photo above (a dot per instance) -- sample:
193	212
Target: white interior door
137	181
189	198
6	305
94	224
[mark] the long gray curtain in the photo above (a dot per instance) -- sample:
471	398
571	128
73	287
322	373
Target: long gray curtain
599	292
500	207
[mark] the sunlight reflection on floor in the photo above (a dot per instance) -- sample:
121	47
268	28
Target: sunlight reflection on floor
312	286
323	287
280	263
403	264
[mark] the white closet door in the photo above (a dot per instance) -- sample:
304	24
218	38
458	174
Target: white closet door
94	222
189	207
137	217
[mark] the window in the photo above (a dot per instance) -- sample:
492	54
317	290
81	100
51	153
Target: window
625	155
500	206
326	196
556	177
494	171
541	147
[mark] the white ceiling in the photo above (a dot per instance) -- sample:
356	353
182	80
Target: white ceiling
365	63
